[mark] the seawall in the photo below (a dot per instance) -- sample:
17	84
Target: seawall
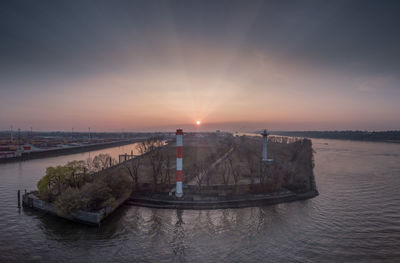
65	151
89	218
197	202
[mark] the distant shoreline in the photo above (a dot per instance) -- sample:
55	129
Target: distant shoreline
65	151
383	136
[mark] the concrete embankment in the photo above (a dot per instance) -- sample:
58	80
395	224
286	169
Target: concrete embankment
216	202
89	218
218	197
64	151
165	201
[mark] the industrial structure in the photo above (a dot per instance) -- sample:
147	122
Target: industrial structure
265	162
18	144
124	157
179	145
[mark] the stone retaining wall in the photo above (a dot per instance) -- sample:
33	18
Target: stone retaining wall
89	218
200	202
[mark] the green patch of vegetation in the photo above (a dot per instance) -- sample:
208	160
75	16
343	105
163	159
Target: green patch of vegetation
87	186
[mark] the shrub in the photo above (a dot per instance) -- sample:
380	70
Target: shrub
120	185
94	195
69	201
71	187
53	183
97	194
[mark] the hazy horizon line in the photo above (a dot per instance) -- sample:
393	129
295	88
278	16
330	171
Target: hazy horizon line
202	131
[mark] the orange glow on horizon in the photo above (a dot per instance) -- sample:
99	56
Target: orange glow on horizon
280	94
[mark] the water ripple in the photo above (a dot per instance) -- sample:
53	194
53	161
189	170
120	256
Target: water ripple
356	218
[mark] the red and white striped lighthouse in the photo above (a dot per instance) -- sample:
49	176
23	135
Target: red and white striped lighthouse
179	144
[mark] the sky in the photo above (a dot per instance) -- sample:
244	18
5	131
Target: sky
233	65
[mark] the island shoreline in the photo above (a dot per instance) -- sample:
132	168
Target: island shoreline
241	201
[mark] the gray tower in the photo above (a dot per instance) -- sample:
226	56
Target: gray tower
264	156
265	162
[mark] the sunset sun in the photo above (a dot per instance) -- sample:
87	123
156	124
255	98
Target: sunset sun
198	122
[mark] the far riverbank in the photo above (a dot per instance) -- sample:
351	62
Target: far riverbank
374	136
66	151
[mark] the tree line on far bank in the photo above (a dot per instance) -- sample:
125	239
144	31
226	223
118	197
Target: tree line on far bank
347	135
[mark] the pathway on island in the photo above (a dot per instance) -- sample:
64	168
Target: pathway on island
212	166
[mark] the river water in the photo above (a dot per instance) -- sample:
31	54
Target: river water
356	218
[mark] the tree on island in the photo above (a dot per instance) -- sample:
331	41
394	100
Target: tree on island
100	162
199	170
234	170
77	186
133	166
223	169
166	175
152	149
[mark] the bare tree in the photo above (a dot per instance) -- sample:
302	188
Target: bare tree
250	156
236	175
152	147
234	170
166	175
207	167
133	168
143	147
199	170
224	170
100	162
90	166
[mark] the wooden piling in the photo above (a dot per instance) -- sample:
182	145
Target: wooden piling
19	199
